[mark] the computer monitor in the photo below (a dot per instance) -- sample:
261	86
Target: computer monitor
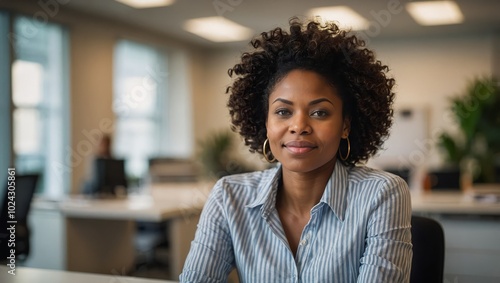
445	179
109	174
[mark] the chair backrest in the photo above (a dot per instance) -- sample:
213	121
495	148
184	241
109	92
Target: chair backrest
25	186
428	250
164	169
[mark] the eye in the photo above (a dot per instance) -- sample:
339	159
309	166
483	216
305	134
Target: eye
282	112
319	113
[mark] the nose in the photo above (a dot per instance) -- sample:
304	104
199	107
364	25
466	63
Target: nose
300	124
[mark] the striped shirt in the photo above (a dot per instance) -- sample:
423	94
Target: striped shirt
360	231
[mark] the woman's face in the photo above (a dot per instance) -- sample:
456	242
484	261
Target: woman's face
304	123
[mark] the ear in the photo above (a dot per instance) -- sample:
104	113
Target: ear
346	127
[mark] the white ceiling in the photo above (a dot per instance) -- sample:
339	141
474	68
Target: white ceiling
481	16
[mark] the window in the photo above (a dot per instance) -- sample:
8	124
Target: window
5	119
139	94
151	105
40	99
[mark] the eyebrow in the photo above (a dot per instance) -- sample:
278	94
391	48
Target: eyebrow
314	102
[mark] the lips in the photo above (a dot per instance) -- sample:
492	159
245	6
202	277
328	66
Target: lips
299	147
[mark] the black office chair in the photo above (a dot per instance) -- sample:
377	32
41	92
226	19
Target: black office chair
150	240
25	186
428	250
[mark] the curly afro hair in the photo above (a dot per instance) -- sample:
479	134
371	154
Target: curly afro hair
341	57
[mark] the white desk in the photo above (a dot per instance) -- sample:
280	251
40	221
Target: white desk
472	234
159	202
452	203
34	275
99	233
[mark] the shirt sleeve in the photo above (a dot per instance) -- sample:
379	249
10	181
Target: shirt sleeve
388	251
211	256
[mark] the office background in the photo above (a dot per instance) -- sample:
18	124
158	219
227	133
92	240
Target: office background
430	66
428	70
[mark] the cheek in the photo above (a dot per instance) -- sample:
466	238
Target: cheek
274	134
271	132
330	134
273	127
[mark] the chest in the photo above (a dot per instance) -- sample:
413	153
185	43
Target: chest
293	226
325	248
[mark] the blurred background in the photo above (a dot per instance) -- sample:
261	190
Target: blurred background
76	70
152	77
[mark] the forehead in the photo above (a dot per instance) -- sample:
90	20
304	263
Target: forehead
303	85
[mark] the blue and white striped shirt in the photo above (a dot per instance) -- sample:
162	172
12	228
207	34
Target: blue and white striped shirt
360	231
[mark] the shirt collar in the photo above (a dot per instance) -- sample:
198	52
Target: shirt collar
267	192
334	196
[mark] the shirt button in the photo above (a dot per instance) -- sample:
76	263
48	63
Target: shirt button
303	242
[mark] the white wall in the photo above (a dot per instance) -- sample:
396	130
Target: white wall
428	73
211	113
211	102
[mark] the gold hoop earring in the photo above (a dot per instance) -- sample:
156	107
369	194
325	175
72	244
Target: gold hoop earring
264	152
348	150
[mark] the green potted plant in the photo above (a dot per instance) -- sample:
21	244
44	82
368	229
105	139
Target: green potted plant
476	148
217	155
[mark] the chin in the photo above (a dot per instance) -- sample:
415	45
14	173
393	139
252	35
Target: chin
304	165
299	166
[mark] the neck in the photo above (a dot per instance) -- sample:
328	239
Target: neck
300	192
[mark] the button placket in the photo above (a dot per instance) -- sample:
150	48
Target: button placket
304	249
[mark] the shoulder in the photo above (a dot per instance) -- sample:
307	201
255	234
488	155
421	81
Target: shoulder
365	173
370	178
246	185
248	179
251	180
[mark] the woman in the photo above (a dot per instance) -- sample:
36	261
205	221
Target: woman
316	101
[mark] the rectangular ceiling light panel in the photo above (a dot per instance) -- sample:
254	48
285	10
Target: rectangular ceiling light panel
141	4
218	29
431	13
346	17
